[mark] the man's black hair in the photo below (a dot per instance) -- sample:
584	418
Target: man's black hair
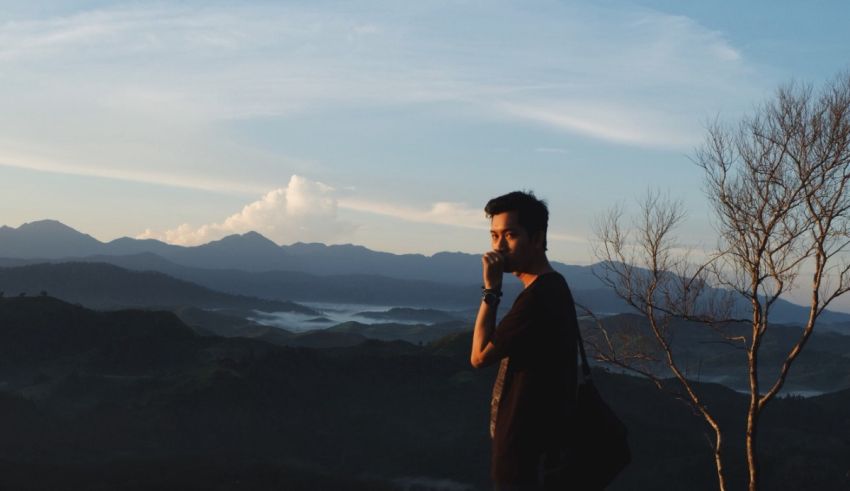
532	212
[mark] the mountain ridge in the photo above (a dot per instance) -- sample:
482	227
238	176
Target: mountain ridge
260	267
105	286
243	254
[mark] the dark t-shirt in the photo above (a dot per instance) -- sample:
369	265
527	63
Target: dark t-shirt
538	335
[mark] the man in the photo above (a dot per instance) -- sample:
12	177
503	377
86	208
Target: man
534	393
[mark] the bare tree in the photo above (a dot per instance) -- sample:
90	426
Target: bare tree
778	183
644	268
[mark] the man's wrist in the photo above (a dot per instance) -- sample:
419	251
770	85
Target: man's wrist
491	296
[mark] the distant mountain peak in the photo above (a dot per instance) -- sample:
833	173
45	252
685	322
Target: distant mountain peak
50	230
49	225
253	239
253	235
46	239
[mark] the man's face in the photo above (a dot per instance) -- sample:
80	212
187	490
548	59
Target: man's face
510	239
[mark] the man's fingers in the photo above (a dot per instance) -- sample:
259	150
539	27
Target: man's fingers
492	257
492	264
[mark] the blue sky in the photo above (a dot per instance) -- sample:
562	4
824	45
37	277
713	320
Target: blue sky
382	123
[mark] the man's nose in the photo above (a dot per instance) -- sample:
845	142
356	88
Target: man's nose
499	244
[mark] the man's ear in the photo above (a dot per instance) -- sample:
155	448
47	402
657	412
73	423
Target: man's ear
537	239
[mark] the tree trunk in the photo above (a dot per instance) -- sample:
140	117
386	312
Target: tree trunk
718	458
752	424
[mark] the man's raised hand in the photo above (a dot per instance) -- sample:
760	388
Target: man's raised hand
492	264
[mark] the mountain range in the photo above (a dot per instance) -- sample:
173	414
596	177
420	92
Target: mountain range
50	240
250	264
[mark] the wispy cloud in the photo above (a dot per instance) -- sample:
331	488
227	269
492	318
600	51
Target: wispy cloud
167	76
611	124
441	213
174	179
153	93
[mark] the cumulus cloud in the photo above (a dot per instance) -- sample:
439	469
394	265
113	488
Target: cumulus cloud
303	211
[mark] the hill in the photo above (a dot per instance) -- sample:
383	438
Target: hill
702	353
410	315
412	333
104	286
218	323
138	400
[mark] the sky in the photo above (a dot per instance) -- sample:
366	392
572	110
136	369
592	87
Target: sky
381	123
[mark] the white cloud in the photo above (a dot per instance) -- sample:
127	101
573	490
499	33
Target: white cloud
604	123
30	159
628	122
304	211
440	213
307	211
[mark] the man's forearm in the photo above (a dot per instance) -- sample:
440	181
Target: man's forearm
485	324
483	351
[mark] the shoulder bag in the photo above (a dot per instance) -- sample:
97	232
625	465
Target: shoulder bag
599	450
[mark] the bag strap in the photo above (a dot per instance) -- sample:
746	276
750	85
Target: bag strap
585	367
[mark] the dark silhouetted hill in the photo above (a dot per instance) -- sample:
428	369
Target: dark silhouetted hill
410	315
104	286
412	333
217	323
138	400
823	365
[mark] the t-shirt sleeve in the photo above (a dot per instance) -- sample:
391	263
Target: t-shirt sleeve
516	327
